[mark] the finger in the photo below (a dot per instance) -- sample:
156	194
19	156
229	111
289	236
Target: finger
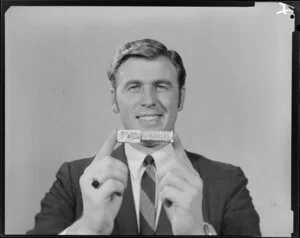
173	180
108	146
187	174
170	195
112	187
107	162
177	145
111	172
175	167
107	168
180	152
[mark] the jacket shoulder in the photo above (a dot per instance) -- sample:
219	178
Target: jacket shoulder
211	169
77	167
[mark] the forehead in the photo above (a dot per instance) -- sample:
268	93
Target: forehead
147	70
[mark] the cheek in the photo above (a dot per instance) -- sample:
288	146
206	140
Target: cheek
126	116
126	107
170	103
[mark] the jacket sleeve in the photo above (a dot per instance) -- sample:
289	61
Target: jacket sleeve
57	207
240	216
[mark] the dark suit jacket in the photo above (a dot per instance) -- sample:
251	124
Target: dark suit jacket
227	204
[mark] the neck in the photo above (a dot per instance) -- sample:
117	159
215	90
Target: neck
148	149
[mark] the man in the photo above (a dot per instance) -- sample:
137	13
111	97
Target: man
147	188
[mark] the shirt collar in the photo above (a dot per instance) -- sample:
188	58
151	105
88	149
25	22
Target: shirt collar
135	157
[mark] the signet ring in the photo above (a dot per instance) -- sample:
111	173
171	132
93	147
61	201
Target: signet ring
96	184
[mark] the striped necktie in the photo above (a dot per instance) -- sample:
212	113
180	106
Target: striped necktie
147	198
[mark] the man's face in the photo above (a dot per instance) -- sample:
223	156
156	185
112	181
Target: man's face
147	94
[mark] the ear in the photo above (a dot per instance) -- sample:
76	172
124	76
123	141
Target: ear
181	99
114	104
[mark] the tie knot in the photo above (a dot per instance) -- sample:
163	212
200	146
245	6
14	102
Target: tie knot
149	160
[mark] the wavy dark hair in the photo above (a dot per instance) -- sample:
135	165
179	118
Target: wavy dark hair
147	49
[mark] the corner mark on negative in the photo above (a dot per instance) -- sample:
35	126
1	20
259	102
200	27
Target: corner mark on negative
286	9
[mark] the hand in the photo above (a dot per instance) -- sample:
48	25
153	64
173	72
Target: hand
180	190
100	206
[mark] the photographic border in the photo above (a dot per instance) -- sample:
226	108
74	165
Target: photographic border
295	97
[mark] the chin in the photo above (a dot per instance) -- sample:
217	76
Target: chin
150	144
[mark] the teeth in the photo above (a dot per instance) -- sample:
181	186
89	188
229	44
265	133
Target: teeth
148	118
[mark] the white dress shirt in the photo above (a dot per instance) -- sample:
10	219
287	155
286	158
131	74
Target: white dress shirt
135	160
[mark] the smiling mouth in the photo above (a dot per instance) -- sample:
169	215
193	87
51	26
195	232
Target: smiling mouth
149	117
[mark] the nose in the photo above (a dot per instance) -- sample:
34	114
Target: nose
149	98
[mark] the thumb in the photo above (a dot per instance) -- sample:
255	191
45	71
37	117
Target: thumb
108	145
177	145
180	152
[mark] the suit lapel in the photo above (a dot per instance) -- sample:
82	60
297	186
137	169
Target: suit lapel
164	226
205	196
125	222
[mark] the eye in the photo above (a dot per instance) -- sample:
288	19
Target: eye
133	87
161	87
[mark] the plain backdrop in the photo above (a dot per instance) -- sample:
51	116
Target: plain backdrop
237	109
